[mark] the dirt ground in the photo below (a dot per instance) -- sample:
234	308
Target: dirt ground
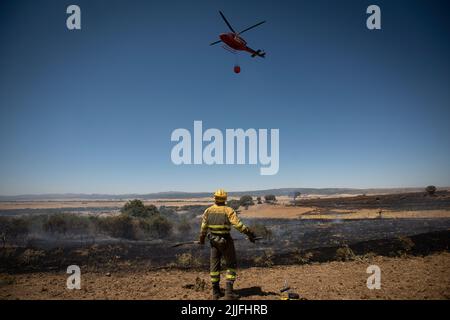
401	278
375	214
267	211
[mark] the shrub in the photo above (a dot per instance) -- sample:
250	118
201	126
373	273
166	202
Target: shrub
302	257
246	201
235	204
270	198
168	212
430	190
12	229
266	259
157	226
78	224
31	256
120	226
187	260
184	226
345	254
65	223
258	199
135	208
162	226
55	224
406	243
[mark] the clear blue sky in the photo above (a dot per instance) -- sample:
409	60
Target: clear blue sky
92	111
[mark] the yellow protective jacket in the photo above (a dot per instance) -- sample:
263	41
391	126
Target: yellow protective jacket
218	219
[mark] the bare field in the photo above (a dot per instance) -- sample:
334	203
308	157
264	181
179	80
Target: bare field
65	204
262	211
267	211
61	204
375	214
279	211
402	278
68	204
412	205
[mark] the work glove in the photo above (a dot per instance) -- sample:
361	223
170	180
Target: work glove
201	239
251	236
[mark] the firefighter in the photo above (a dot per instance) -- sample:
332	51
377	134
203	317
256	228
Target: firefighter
218	220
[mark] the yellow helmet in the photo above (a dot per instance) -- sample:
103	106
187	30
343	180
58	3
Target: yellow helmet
220	195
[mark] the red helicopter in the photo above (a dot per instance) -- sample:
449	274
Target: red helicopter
235	42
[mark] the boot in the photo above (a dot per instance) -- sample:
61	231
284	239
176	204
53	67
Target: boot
215	291
229	294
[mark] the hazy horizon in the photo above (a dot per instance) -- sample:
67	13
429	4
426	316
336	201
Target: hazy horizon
211	191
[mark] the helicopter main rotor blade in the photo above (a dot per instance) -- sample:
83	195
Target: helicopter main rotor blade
226	21
254	26
216	42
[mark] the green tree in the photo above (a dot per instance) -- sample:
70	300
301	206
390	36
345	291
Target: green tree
235	204
430	190
159	226
136	208
246	201
121	226
270	198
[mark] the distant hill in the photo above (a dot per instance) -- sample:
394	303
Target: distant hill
186	195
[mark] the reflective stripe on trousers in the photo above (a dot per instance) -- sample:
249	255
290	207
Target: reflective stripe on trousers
231	274
215	276
227	252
